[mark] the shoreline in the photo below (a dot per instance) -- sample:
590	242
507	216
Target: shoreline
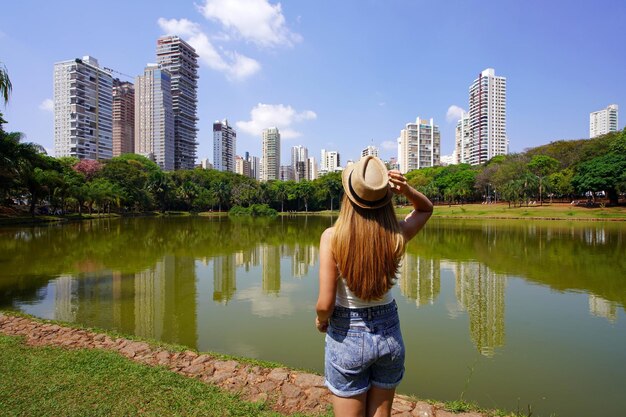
554	212
285	390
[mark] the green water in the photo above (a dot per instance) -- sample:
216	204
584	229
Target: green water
504	313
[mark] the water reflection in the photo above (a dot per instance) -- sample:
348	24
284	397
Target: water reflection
479	291
240	286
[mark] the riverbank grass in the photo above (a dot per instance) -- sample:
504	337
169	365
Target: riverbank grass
547	211
49	381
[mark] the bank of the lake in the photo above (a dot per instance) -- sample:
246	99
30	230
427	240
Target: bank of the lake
500	211
52	368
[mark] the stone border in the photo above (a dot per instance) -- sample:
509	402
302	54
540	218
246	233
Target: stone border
286	391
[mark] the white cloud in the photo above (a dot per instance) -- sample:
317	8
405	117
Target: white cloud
454	113
275	115
233	64
47	105
389	145
256	21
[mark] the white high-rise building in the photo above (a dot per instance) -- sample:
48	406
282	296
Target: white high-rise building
83	109
329	162
370	150
462	140
299	163
270	169
419	145
181	60
603	121
312	168
154	117
487	117
255	167
224	146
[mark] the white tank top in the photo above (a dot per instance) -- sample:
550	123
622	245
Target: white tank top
346	298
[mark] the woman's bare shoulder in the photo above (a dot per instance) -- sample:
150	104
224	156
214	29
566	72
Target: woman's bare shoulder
328	234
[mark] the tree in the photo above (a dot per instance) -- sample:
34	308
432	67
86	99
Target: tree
542	166
5	84
304	190
331	186
604	173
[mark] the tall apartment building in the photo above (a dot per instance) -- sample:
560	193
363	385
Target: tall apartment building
603	121
329	162
419	145
242	166
270	169
224	146
462	141
487	117
255	166
83	125
370	150
154	125
181	60
123	117
299	163
312	168
286	173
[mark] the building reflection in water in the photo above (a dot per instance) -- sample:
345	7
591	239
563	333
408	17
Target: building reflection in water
270	266
224	277
65	299
420	279
600	307
478	290
158	302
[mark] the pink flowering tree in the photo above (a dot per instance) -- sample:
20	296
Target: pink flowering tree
88	167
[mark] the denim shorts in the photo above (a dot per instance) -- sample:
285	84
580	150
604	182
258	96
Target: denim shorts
364	347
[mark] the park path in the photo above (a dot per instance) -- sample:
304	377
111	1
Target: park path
287	391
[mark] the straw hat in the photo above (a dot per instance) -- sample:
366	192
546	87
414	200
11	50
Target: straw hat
366	183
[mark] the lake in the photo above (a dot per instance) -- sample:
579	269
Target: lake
505	313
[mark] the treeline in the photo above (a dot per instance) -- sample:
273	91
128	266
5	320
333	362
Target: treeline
132	183
566	170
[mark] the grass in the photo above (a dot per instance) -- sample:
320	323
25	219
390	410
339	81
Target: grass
51	381
547	211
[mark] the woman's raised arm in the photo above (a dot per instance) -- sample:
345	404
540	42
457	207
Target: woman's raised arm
423	207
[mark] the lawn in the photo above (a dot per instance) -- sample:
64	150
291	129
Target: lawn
51	381
548	211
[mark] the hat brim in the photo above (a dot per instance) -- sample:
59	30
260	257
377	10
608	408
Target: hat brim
345	180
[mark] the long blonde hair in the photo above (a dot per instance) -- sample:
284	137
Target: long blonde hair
367	245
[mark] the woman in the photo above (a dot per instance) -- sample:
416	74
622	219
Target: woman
359	259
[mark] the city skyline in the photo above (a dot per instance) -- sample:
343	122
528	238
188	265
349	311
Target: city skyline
320	78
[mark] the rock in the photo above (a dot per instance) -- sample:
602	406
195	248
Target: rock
225	365
99	338
402	405
163	357
444	413
278	374
423	409
316	393
194	369
268	386
308	380
201	359
290	390
396	413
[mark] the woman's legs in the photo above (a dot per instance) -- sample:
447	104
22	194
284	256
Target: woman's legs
374	403
349	406
379	401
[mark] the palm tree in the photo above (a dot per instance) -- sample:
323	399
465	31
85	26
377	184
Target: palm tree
5	84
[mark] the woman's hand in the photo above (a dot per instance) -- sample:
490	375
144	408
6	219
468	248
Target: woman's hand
397	182
321	325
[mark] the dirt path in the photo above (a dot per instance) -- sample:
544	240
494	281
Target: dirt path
288	391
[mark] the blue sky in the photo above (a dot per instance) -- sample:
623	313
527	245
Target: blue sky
338	75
